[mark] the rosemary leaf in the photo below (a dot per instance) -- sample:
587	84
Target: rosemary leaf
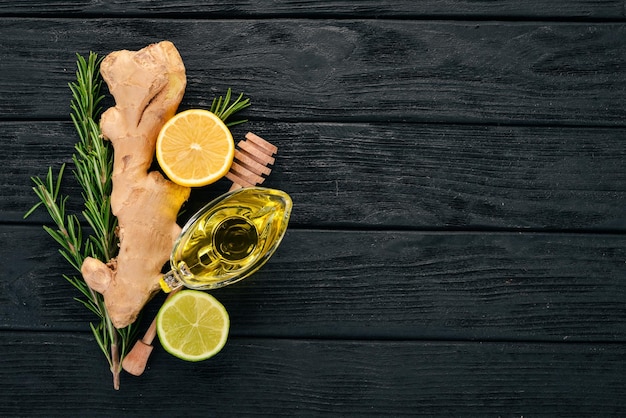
224	109
101	338
89	305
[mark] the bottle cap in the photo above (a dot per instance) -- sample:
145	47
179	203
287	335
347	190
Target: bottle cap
164	286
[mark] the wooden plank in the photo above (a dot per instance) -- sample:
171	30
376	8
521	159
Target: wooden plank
64	373
362	8
394	176
385	284
438	285
31	148
345	70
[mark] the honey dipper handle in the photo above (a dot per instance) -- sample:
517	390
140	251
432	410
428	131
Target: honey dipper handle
136	360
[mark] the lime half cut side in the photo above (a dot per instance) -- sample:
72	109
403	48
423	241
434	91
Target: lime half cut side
192	325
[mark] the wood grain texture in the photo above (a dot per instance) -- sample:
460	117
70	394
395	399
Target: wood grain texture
316	378
457	246
345	70
376	285
607	9
393	176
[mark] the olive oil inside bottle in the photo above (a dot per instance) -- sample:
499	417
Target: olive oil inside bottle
235	238
231	238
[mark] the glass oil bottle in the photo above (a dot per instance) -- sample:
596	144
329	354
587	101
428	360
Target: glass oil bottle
229	239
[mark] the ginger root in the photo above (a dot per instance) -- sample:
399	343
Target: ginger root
148	86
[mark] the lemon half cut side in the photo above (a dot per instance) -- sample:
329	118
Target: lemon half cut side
195	148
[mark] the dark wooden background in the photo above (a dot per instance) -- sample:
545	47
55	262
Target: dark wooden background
457	245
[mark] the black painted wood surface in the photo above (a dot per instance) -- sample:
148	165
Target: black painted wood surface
459	9
458	239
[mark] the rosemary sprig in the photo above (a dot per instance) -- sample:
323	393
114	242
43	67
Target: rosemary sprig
224	109
93	161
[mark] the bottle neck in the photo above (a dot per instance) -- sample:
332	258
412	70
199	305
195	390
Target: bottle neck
170	282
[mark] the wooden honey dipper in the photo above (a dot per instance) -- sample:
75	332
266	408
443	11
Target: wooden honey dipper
253	156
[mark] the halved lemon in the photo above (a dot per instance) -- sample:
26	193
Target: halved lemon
195	148
192	325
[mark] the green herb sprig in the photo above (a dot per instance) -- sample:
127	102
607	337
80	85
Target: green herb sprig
93	161
224	109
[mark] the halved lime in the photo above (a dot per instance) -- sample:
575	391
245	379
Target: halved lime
192	325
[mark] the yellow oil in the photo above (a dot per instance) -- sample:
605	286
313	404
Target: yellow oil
231	238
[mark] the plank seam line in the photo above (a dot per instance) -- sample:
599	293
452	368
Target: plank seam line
358	340
407	229
385	123
467	230
379	17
